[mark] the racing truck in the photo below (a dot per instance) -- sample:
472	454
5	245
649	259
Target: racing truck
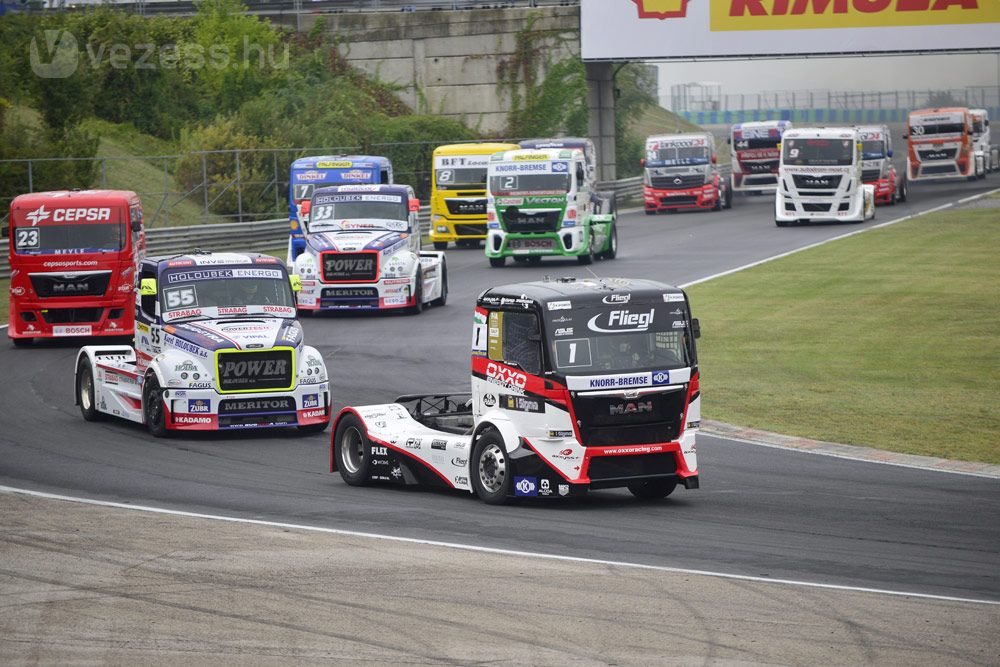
363	252
940	145
986	153
308	173
876	165
73	258
755	153
543	202
576	385
605	201
458	193
819	178
679	172
216	347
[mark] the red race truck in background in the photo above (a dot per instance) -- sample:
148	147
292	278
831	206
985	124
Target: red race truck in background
73	259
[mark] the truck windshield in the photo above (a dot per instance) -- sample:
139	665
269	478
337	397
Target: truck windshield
375	211
934	129
530	183
977	126
818	152
455	178
67	239
679	153
588	341
872	150
191	293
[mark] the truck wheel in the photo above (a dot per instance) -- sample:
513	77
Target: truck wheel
22	342
650	211
653	489
490	468
312	429
443	299
729	198
152	407
418	292
902	192
612	250
440	245
587	258
352	450
497	262
85	394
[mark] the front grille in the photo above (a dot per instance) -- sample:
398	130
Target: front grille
766	166
72	315
48	285
810	207
804	182
266	370
938	154
869	175
760	179
677	182
527	221
678	201
606	468
349	266
614	420
938	169
470	230
466	207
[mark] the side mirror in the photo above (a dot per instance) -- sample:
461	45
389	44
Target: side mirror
729	140
642	162
695	328
778	146
415	205
147	287
715	159
137	226
888	153
5	232
296	282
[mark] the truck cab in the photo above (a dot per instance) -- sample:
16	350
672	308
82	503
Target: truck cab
73	258
458	193
216	347
679	172
541	202
363	252
755	155
309	173
877	168
820	178
940	145
576	385
986	153
604	200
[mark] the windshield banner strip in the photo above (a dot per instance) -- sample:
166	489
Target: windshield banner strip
628	380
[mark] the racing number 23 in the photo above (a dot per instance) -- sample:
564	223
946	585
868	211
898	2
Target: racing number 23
26	238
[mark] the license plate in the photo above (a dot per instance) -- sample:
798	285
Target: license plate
72	330
531	245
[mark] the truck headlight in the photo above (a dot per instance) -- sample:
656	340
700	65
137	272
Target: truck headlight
442	228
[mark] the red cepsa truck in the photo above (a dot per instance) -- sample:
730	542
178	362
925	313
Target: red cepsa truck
73	259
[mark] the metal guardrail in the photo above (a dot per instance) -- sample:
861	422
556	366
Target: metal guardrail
271	234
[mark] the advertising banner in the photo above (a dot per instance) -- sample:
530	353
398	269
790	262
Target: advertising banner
665	29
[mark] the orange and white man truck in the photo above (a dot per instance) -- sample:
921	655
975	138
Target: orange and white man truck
73	260
940	145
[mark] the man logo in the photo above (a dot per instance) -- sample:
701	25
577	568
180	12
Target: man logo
39	214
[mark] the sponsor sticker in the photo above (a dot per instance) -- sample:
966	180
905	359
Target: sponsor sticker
310	401
72	330
564	489
199	405
616	321
560	305
439	444
521	403
525	486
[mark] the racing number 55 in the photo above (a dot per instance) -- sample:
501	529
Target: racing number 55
181	297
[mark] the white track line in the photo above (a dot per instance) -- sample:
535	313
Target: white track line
498	551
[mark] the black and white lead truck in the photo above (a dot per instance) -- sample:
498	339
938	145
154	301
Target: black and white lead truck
576	385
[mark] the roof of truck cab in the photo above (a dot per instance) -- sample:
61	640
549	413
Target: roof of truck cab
208	259
581	293
679	136
549	153
74	198
560	142
820	133
486	148
356	160
404	191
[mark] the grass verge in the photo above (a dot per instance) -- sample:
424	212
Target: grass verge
889	339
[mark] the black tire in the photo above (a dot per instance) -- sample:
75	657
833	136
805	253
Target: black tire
520	259
497	262
903	191
612	250
781	223
418	293
653	489
729	198
86	396
588	258
650	212
443	299
468	243
23	342
152	407
718	202
312	429
352	450
490	469
440	245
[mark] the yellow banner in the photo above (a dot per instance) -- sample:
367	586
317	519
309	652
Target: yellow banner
334	165
812	14
530	157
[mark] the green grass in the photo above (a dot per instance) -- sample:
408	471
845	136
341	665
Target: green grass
889	339
145	176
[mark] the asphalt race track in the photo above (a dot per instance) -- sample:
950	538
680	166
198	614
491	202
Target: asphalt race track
760	511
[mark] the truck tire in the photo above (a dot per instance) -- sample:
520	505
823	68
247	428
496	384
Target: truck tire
781	223
490	469
86	397
497	262
352	450
443	299
902	190
440	245
653	489
418	293
152	407
612	250
587	258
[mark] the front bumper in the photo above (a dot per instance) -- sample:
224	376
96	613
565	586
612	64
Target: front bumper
790	208
568	241
885	190
691	198
55	319
384	294
458	229
208	410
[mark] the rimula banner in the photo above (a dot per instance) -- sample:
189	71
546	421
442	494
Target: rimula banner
663	29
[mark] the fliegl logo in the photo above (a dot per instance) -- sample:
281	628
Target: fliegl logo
662	9
621	320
